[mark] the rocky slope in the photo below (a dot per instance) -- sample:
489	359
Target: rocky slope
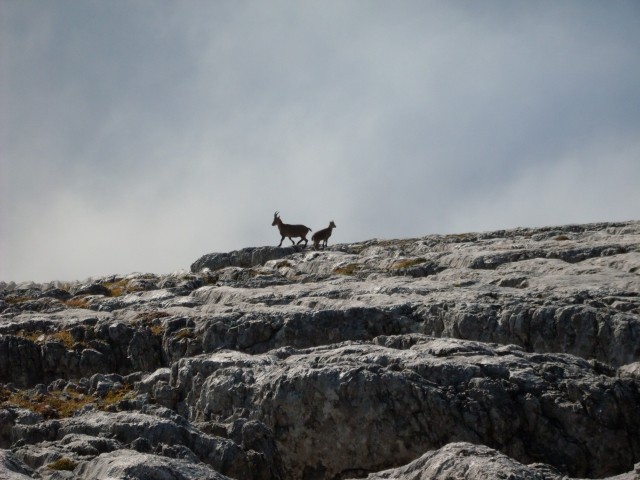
508	354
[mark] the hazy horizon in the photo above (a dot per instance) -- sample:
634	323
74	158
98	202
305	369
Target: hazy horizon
138	136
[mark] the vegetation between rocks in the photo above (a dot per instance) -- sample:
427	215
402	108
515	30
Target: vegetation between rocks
349	269
63	463
411	262
60	404
40	337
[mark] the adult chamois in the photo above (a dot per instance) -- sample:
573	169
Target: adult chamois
289	231
322	236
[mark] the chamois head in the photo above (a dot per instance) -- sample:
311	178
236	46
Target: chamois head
276	218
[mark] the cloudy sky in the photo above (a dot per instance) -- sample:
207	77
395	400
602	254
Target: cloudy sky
140	135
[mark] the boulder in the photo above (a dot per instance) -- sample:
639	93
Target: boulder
13	469
367	406
245	258
475	462
128	464
159	431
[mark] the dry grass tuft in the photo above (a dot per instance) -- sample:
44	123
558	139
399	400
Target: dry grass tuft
400	264
185	333
40	337
65	337
59	404
114	396
116	288
55	404
15	300
77	303
29	335
63	463
349	269
157	330
152	321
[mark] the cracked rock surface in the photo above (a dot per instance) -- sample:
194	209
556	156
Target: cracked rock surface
478	355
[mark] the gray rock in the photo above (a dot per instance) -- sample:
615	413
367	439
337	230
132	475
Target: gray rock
159	431
13	469
468	461
471	462
88	445
329	407
359	358
56	293
147	384
245	258
90	289
20	361
128	464
632	370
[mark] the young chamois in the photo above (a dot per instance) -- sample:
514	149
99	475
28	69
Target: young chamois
322	236
290	230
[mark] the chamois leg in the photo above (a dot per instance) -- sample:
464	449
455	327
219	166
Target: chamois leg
292	242
281	240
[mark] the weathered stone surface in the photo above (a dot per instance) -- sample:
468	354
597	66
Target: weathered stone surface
128	464
475	462
632	370
158	431
13	469
329	406
294	363
245	258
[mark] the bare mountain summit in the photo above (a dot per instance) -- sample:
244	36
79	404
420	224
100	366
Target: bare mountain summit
506	354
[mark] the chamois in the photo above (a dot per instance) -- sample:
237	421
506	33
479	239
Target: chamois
290	230
322	236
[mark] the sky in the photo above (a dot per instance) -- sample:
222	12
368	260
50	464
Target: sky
136	136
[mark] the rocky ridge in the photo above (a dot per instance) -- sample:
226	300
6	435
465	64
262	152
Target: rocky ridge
512	352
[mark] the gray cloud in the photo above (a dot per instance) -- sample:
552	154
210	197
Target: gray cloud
139	135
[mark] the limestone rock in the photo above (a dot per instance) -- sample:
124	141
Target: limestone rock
245	258
475	462
277	363
13	469
127	464
159	431
631	370
331	407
